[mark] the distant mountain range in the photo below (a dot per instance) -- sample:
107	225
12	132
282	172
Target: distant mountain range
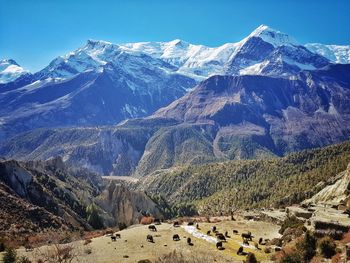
264	96
223	118
103	83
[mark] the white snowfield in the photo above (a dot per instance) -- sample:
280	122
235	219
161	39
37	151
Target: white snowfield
335	53
194	232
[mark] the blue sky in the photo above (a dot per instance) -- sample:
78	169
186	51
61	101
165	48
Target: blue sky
33	32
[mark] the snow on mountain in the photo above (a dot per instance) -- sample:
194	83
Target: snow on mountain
95	55
198	62
10	70
94	85
255	54
335	53
247	56
272	36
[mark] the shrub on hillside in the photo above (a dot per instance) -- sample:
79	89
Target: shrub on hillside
176	257
291	222
10	255
93	216
327	247
294	257
146	220
23	259
307	247
251	258
122	226
2	246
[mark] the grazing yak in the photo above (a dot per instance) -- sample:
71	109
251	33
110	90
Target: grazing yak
219	245
240	251
197	226
208	232
235	232
214	229
189	241
117	235
176	237
149	238
247	236
220	237
176	224
156	221
226	234
152	228
245	241
256	245
190	223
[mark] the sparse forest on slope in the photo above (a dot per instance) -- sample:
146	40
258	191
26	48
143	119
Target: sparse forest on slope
221	187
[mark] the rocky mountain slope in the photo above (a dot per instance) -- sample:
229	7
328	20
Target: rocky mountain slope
102	83
252	117
223	118
133	86
38	196
45	187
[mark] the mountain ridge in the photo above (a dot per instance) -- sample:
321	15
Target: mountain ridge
223	118
102	83
180	53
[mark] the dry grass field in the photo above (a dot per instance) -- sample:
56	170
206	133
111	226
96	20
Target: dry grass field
132	246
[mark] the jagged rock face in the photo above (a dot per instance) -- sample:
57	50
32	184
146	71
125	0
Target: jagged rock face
19	216
337	191
40	195
130	205
44	187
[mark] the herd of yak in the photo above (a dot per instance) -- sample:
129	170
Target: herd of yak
246	237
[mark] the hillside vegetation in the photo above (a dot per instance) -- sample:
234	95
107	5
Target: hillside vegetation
223	187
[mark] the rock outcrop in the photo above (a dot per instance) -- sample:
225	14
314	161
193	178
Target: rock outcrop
336	193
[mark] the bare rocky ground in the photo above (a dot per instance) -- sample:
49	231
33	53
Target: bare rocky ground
132	246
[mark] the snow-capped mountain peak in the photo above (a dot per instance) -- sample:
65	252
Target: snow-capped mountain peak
10	70
261	52
272	36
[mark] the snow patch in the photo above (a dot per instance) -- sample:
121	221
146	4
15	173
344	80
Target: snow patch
194	232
